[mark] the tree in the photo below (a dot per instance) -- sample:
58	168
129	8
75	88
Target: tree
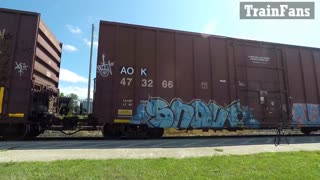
61	94
73	96
74	107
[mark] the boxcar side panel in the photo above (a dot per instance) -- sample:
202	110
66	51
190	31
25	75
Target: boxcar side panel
220	71
295	75
166	78
21	28
185	69
202	67
165	65
145	66
124	81
309	75
106	67
7	31
47	61
316	65
31	78
260	82
303	70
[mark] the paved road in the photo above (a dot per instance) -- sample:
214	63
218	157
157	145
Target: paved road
49	150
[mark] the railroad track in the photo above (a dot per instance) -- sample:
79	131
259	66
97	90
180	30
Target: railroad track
169	137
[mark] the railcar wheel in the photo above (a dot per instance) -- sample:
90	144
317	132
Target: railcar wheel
32	132
111	131
155	133
306	131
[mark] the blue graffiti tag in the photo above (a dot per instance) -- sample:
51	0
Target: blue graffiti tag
183	114
160	113
219	115
157	112
305	114
248	119
202	116
234	113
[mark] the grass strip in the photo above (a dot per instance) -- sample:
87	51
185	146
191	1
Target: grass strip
292	165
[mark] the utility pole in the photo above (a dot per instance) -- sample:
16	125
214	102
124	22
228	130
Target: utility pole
89	83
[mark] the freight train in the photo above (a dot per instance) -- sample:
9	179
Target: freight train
149	79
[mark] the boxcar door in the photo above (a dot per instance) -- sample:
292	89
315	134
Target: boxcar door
261	84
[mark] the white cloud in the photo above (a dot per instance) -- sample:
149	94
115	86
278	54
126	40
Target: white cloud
69	48
74	29
88	42
69	76
209	28
82	92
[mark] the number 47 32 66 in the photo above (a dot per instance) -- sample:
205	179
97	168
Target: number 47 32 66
146	83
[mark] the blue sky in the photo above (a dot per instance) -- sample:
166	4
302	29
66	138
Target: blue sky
70	21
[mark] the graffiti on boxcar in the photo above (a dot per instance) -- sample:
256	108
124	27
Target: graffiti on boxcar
305	114
5	51
157	112
248	119
105	69
23	54
4	43
21	67
2	33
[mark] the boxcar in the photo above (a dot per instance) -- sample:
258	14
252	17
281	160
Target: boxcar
29	72
151	78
